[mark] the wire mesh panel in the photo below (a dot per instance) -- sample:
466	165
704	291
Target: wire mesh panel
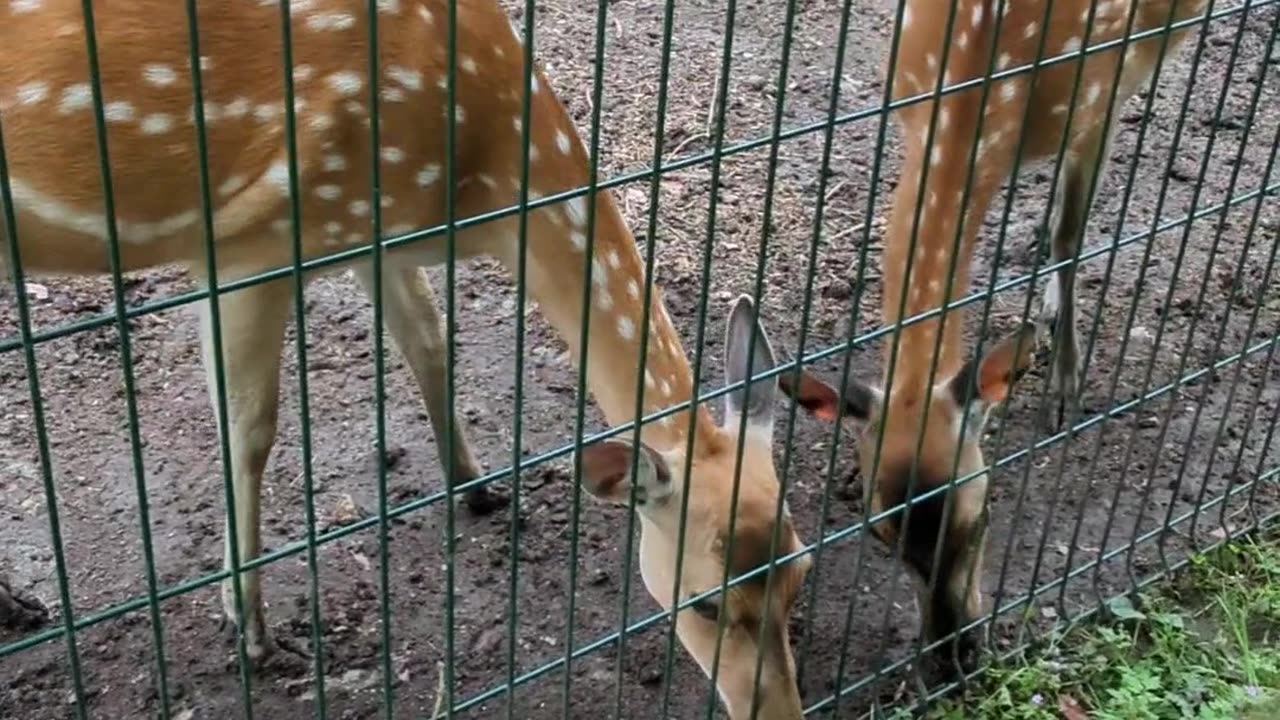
430	545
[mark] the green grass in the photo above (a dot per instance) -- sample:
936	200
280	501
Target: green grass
1205	646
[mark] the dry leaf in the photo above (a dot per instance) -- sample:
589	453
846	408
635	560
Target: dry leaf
1071	709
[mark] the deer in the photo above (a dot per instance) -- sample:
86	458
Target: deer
48	114
931	422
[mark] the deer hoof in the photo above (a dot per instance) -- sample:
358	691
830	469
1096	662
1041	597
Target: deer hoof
485	499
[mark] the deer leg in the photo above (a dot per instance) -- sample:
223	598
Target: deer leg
1067	225
413	319
252	331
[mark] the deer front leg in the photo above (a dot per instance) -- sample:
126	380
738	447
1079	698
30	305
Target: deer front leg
1067	225
412	318
252	331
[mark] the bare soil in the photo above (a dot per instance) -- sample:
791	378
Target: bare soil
1070	503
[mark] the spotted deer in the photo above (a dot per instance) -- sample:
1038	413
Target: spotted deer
920	418
48	110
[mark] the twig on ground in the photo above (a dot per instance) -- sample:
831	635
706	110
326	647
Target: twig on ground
436	709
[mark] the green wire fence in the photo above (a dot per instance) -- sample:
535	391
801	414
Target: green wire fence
1164	377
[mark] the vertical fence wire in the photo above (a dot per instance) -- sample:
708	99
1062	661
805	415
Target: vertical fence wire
213	341
300	346
970	387
721	112
998	442
762	258
589	261
126	359
882	134
451	178
527	77
1102	163
386	674
651	237
824	171
909	499
1058	206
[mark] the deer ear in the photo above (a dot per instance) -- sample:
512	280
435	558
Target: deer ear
606	472
758	405
861	401
989	379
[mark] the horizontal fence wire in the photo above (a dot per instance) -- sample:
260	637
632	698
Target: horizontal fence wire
26	342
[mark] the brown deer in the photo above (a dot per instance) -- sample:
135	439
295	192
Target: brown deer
48	112
920	418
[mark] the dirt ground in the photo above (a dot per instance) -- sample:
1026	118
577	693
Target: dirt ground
1119	478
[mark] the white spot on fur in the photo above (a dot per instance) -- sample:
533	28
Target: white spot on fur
468	65
320	122
428	175
321	22
346	83
23	7
159	75
425	14
626	328
75	97
266	112
975	17
278	175
358	208
1093	93
334	163
156	124
392	154
633	289
576	210
578	240
33	93
237	108
604	301
562	142
1009	90
1072	44
302	73
328	192
408	77
1030	30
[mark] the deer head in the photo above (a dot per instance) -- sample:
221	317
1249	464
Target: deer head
755	612
936	438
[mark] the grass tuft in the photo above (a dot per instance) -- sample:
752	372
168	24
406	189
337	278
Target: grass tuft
1202	647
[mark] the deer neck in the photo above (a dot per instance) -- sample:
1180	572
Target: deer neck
934	272
618	336
560	254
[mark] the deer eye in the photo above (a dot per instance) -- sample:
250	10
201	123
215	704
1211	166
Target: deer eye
707	609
